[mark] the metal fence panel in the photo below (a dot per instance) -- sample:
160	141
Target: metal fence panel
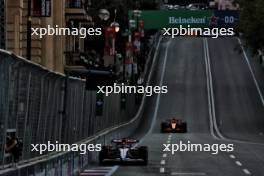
40	106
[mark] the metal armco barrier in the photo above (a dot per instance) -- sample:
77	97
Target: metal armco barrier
40	106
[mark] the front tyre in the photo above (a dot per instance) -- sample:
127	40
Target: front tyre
143	152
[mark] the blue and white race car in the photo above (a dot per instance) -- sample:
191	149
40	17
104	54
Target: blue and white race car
124	151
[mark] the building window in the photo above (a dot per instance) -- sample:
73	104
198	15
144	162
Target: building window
75	3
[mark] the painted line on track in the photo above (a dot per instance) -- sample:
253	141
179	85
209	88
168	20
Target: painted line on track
211	92
188	173
208	90
158	96
100	171
152	67
252	73
162	170
213	123
238	163
160	84
246	171
232	156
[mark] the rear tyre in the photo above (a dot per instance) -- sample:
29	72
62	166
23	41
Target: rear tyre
143	152
162	127
184	126
102	155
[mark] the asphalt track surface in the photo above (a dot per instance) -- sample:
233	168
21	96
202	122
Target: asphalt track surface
218	93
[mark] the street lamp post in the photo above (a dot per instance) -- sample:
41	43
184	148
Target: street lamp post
137	14
132	24
124	68
116	27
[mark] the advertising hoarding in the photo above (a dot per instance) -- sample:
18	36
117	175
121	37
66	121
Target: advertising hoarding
158	19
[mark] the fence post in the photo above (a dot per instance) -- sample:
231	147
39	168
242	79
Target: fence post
26	114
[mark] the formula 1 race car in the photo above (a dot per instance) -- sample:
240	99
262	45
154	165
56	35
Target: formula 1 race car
124	151
173	125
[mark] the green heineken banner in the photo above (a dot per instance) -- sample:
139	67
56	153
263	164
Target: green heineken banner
158	19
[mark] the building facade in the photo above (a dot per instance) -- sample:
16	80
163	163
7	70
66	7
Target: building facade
49	51
2	24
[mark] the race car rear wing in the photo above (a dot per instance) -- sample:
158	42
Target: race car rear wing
127	141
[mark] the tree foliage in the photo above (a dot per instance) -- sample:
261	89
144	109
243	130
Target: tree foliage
122	7
252	23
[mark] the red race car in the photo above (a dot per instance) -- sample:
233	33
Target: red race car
173	126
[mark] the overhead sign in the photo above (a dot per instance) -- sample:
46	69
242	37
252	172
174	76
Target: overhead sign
158	19
225	18
42	8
